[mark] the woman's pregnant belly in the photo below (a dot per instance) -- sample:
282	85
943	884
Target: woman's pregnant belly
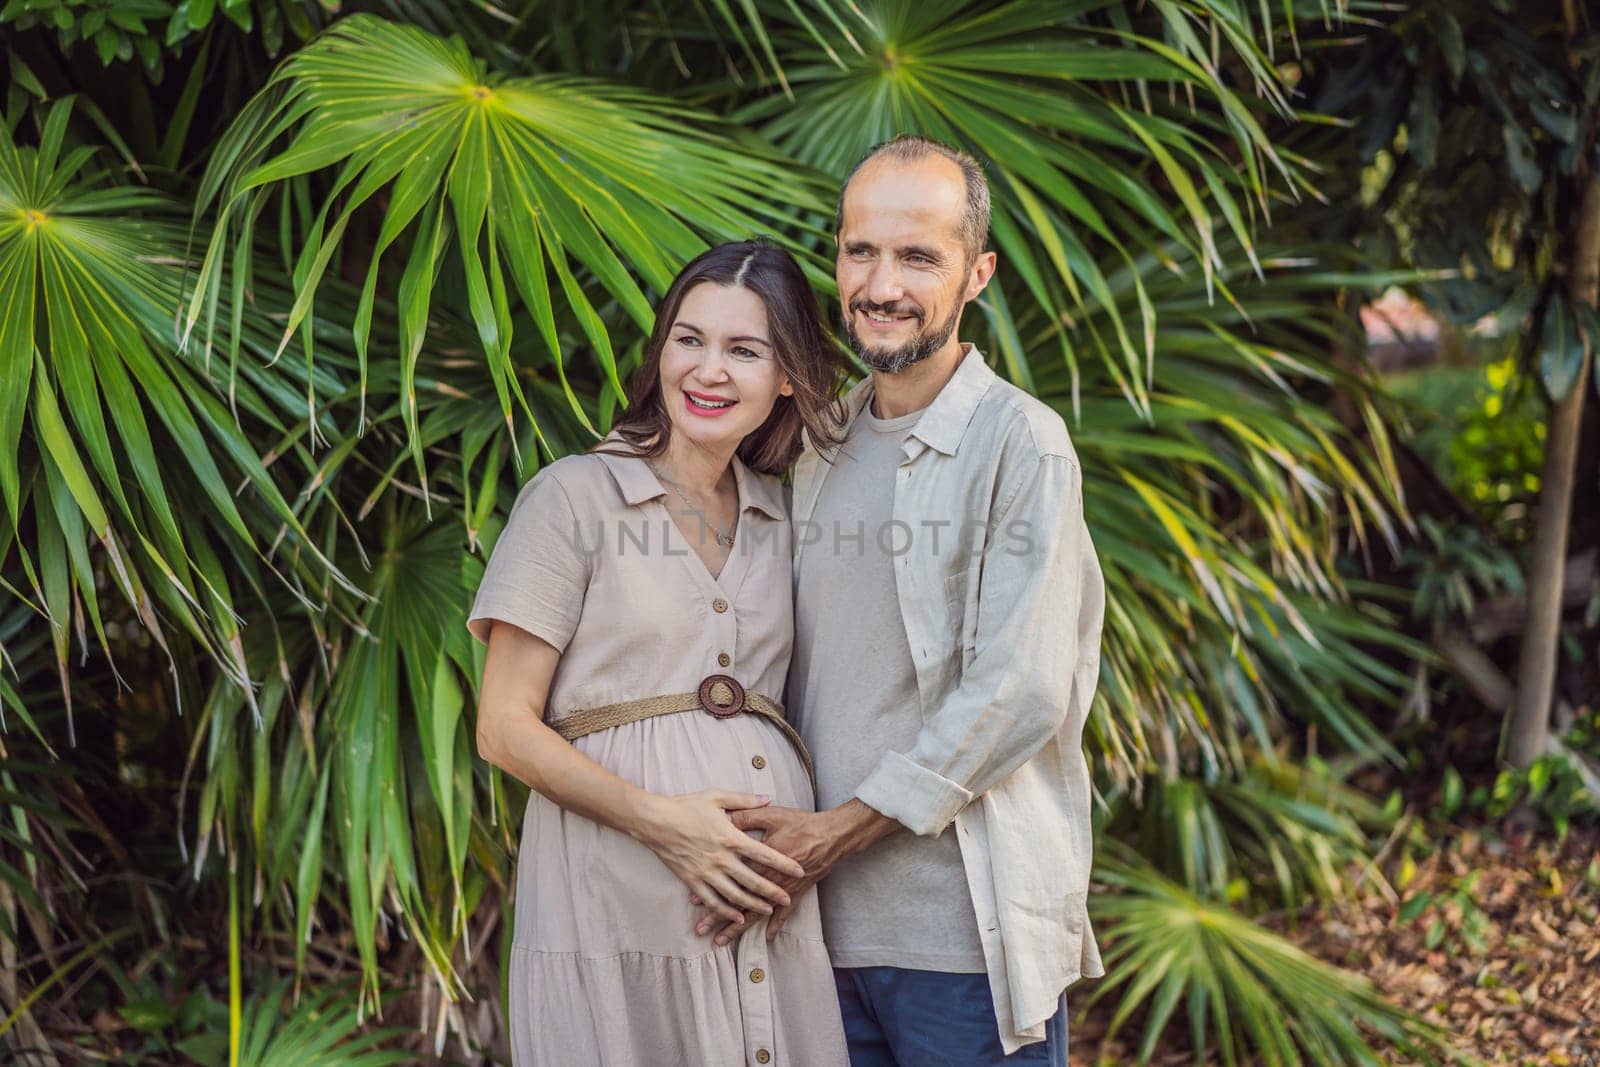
594	891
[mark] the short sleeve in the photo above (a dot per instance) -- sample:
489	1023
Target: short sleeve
538	573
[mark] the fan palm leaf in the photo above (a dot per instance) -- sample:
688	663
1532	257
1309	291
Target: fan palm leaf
365	749
1217	513
525	177
122	429
1258	997
1078	169
360	739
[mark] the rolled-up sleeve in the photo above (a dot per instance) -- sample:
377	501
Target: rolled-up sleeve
1017	692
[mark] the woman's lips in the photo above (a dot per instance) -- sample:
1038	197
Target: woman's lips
692	405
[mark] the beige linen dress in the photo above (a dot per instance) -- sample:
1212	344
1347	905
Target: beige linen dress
606	967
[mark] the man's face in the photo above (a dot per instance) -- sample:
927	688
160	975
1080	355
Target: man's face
903	273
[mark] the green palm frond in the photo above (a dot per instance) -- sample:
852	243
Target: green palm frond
523	177
124	433
1218	515
1088	165
1279	832
359	737
369	754
1245	990
321	1029
402	663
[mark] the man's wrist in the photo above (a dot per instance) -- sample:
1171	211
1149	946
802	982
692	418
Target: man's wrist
857	824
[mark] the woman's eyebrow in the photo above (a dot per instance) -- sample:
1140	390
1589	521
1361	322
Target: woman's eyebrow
757	340
681	325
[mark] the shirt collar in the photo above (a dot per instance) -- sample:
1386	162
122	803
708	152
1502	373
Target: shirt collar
638	482
944	422
763	494
633	478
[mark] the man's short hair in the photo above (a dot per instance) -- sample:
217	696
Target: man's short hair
910	148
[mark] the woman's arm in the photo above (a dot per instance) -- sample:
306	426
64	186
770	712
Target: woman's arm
692	834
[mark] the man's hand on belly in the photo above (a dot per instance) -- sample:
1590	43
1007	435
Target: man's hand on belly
816	840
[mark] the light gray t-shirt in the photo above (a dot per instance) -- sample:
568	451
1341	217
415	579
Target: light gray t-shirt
852	692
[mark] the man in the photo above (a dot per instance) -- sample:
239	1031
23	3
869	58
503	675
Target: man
948	608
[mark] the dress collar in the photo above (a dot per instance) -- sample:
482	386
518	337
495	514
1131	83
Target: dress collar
639	483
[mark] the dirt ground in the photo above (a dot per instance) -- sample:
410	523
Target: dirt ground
1503	952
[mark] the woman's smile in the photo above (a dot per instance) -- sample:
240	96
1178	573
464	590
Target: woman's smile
707	405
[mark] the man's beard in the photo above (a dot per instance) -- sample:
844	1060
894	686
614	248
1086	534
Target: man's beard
920	347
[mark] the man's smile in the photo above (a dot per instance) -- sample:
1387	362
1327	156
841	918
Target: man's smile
877	319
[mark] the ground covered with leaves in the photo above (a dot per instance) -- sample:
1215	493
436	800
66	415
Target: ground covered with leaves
1494	937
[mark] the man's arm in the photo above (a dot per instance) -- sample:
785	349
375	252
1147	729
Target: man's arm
1017	692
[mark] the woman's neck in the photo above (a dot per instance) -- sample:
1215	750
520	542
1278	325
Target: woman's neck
697	470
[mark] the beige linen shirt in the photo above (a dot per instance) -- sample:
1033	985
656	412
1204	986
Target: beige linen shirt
1004	629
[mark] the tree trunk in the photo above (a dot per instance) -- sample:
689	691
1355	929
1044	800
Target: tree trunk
1529	724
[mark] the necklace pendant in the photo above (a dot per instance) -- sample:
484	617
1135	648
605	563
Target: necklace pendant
725	540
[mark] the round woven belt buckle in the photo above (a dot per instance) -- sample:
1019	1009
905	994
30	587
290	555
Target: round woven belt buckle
722	696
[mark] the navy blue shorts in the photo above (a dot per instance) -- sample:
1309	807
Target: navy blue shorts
896	1016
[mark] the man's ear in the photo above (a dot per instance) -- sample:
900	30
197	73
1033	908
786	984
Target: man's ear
978	277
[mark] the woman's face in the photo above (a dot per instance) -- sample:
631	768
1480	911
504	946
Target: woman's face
719	370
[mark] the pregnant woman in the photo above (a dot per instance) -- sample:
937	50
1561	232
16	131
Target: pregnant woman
638	615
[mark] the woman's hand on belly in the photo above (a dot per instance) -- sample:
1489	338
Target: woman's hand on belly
697	841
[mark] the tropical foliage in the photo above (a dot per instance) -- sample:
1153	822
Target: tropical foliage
1481	121
1242	987
272	370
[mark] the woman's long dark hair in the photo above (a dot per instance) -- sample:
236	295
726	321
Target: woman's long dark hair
805	352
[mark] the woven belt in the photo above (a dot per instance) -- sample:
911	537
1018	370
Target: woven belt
719	695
